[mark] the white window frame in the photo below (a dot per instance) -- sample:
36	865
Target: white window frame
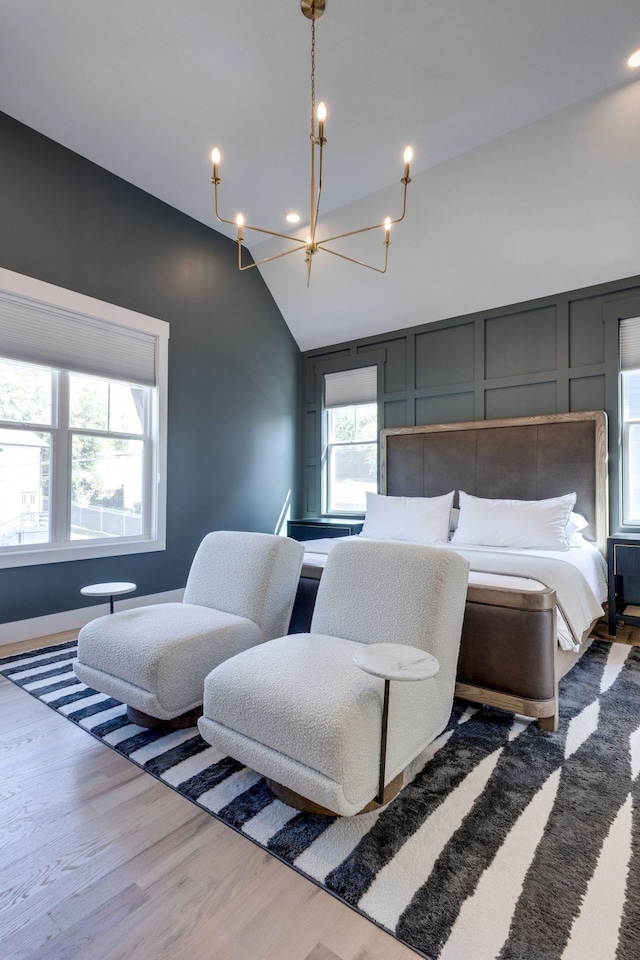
626	422
331	445
351	386
156	491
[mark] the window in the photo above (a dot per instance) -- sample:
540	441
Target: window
630	418
631	447
82	439
351	465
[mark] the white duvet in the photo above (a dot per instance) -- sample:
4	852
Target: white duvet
579	577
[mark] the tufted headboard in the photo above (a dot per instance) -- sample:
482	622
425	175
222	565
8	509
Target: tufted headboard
525	458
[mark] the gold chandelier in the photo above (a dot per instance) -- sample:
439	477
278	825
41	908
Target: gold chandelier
313	10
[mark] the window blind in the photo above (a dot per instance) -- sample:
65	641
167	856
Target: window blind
350	386
630	344
37	332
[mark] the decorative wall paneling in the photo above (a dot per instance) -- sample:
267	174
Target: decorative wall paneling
557	354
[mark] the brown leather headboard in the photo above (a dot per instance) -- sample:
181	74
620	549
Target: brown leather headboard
525	458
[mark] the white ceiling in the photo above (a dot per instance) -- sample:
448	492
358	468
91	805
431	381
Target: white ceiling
523	116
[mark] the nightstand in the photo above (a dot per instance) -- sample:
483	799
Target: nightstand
623	558
317	528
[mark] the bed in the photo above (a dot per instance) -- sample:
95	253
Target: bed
510	654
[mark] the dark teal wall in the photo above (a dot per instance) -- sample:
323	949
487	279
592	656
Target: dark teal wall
551	355
232	361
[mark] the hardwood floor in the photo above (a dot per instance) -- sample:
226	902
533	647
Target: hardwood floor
100	861
624	634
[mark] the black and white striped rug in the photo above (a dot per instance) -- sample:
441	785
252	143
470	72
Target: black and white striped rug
506	842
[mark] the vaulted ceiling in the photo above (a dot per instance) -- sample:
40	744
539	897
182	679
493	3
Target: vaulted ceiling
524	119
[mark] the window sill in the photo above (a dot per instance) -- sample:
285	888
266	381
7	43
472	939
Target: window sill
53	553
343	515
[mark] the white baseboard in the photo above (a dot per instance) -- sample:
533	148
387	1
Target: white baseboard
19	630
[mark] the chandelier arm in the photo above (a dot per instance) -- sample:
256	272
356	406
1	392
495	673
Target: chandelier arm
352	233
374	226
317	210
312	191
257	263
247	226
272	233
215	181
360	263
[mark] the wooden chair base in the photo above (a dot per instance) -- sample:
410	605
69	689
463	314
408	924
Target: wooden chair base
188	719
298	802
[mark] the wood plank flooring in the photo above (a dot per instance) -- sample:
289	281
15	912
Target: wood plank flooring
624	634
100	861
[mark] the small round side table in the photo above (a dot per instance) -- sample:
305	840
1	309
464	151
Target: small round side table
110	590
393	661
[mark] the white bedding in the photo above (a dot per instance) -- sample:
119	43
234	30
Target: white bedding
589	586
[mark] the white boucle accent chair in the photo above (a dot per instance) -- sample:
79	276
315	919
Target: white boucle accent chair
299	711
239	593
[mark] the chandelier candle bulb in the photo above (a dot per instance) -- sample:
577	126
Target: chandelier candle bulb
322	115
408	156
215	159
240	223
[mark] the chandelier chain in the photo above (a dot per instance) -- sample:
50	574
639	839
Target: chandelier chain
313	79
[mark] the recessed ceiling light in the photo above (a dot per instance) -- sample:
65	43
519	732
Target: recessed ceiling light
634	59
293	218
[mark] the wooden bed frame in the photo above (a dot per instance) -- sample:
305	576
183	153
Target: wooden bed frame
509	653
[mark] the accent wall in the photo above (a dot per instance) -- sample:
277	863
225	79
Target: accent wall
232	361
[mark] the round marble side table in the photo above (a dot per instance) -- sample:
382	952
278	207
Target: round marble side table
110	590
393	661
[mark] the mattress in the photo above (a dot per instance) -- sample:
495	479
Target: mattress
585	559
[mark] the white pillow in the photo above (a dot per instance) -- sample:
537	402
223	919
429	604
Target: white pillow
576	525
520	524
418	519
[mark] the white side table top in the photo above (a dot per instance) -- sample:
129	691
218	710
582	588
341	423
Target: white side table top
107	589
395	661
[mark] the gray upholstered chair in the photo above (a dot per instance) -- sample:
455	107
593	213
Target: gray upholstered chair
299	711
239	593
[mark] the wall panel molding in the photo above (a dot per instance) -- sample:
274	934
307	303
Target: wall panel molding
555	354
